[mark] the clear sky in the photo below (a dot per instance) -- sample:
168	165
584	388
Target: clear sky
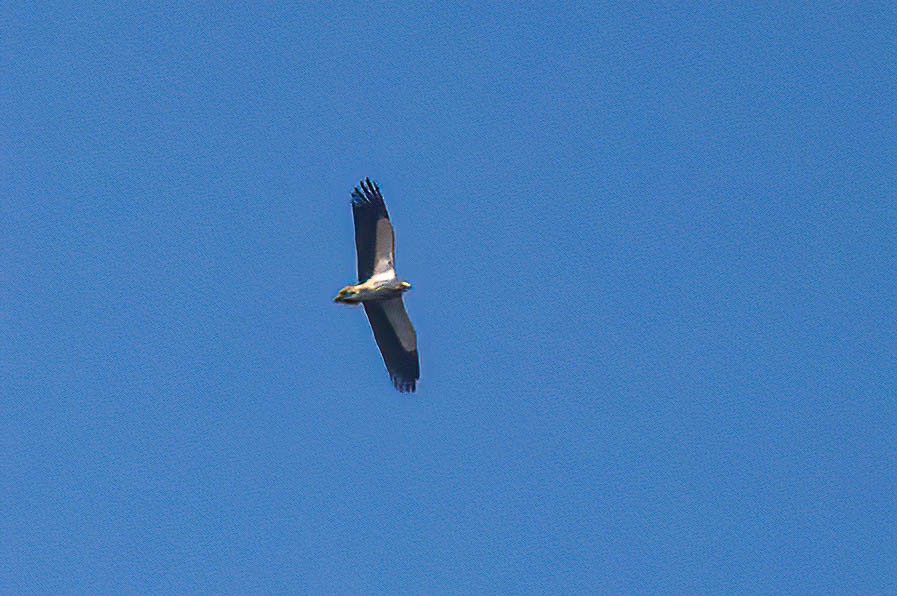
653	254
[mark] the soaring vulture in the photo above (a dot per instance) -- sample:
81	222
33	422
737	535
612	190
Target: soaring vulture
379	289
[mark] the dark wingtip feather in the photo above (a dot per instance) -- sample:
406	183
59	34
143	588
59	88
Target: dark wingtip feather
367	191
404	386
357	197
366	197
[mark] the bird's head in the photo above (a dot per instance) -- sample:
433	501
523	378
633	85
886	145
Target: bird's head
346	294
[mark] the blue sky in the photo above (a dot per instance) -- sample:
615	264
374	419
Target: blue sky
652	251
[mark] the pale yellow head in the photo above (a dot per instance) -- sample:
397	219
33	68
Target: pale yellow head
346	294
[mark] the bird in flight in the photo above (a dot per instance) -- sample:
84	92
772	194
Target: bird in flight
379	289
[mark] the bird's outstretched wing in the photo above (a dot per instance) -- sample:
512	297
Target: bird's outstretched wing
374	238
397	341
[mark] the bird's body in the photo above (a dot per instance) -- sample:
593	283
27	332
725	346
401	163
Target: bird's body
372	290
379	289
